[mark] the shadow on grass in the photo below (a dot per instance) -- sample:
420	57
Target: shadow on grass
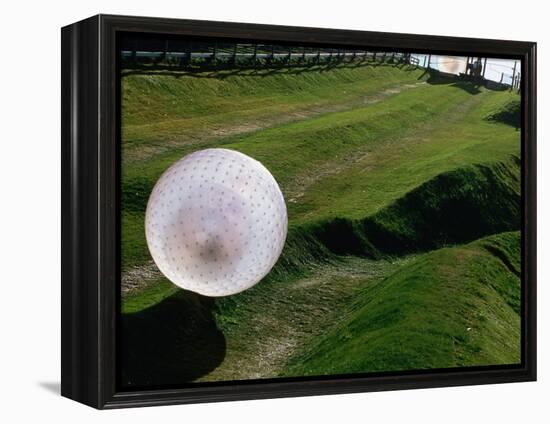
509	114
439	78
173	342
295	69
454	207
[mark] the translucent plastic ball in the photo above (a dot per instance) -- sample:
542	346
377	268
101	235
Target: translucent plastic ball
216	222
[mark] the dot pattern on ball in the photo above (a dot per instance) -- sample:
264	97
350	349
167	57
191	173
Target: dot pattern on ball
216	222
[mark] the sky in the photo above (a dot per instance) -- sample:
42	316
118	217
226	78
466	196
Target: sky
457	64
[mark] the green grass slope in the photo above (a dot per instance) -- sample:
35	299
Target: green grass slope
471	203
417	148
508	113
452	307
180	103
452	208
455	207
198	111
347	163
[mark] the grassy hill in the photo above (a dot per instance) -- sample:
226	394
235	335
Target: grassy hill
452	307
221	103
387	172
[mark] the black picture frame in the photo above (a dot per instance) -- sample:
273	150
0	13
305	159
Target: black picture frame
90	214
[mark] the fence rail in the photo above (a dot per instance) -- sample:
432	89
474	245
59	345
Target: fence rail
218	55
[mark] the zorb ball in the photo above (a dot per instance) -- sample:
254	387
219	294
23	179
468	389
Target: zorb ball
216	222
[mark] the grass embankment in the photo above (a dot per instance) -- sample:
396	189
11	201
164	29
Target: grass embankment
452	307
453	208
509	113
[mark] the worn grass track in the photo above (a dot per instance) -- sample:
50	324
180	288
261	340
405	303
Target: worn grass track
259	343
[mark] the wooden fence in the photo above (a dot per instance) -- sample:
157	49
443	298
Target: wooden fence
225	55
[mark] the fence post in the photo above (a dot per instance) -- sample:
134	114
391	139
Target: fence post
165	51
185	60
289	55
374	56
235	54
255	53
513	75
214	54
318	56
484	67
429	61
134	53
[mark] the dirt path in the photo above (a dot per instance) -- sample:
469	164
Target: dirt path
277	325
139	277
